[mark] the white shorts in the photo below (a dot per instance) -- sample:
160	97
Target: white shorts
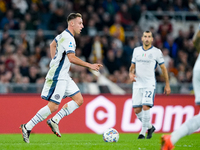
143	96
196	81
55	91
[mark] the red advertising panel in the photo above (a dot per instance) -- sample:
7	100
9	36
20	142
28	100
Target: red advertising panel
98	113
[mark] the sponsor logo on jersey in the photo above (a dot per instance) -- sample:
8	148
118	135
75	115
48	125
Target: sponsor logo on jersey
144	61
70	44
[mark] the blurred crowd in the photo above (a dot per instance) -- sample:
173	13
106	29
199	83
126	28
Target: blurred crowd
102	40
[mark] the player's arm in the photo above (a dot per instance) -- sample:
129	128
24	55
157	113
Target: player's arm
167	89
75	60
196	39
132	72
53	48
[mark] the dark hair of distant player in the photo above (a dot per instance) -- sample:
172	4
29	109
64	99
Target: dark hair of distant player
147	31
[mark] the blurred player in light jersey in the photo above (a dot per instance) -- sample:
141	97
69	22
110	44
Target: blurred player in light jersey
58	84
191	125
142	73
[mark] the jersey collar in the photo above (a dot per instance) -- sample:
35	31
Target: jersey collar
69	32
147	49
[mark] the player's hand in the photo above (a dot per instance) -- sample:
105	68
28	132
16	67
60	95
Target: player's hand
167	90
132	77
96	67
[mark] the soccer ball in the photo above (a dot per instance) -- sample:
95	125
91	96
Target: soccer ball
111	135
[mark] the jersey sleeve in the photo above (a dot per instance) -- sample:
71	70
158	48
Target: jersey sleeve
65	43
56	39
160	58
69	45
133	58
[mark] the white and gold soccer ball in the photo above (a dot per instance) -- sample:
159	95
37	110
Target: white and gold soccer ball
111	135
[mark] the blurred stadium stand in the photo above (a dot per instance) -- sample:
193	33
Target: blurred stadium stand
183	17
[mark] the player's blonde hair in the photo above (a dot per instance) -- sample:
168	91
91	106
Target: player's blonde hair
73	16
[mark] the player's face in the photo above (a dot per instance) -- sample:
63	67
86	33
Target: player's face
147	38
78	25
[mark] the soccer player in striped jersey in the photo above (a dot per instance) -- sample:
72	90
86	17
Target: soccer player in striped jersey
58	83
142	73
191	125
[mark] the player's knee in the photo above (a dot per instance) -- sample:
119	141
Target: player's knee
137	110
53	106
80	102
145	107
78	98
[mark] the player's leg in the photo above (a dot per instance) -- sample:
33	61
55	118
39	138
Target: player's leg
147	102
137	103
137	106
53	125
145	119
55	95
187	128
69	107
71	91
43	113
150	128
191	125
138	112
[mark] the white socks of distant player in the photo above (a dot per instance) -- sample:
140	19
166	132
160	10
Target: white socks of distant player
71	106
145	121
42	114
139	116
186	128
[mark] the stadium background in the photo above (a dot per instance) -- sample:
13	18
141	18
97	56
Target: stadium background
112	28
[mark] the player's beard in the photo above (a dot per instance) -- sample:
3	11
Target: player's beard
147	43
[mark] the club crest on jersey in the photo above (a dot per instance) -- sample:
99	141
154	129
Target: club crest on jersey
70	44
57	96
150	56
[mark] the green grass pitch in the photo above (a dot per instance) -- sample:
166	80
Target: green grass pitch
92	142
